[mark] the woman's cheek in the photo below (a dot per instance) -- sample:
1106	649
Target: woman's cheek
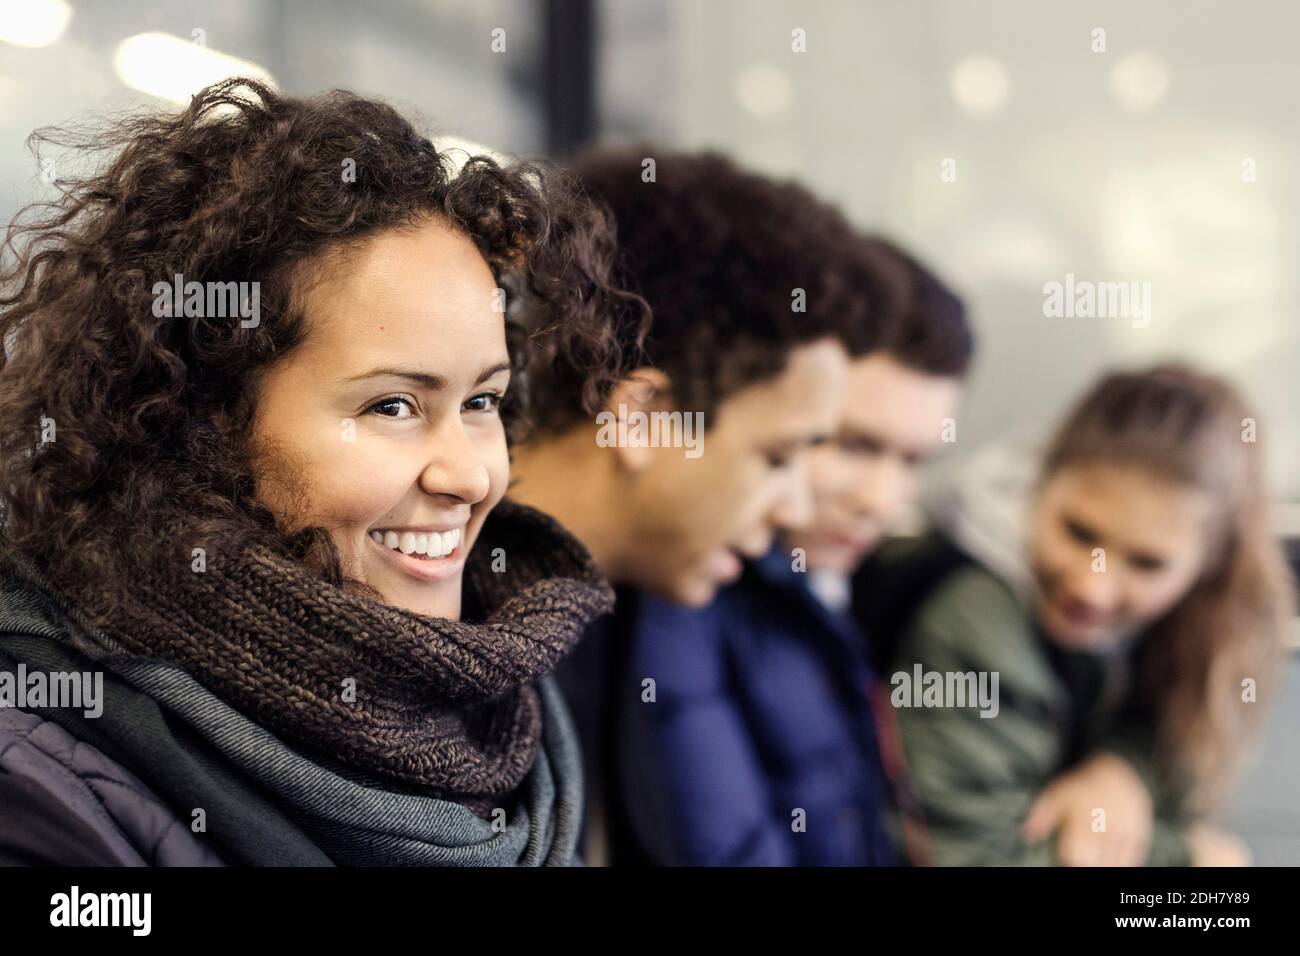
1159	596
495	455
364	480
498	475
1055	553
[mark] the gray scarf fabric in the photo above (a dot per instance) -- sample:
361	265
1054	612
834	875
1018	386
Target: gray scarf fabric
269	801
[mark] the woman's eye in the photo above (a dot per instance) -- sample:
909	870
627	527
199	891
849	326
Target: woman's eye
486	402
1146	563
392	402
1079	532
778	461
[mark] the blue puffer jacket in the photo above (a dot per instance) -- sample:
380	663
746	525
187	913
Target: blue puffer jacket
759	748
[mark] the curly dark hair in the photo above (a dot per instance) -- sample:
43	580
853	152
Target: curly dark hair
718	253
152	416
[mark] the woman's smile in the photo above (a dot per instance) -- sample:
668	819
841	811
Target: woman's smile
443	555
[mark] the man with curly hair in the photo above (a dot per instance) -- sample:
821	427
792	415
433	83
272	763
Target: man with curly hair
761	295
758	290
762	747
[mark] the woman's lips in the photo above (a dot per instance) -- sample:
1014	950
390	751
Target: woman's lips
423	568
1077	614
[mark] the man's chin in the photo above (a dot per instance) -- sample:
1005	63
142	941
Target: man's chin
837	559
692	594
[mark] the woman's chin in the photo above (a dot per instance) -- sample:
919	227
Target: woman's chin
440	599
447	607
1075	636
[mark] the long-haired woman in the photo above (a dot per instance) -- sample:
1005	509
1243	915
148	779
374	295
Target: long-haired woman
1134	637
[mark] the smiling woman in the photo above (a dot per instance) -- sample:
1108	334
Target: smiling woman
289	537
1136	639
425	454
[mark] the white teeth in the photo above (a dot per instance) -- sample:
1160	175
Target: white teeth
432	544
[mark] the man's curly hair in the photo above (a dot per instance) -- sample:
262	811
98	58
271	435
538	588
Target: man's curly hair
152	416
718	253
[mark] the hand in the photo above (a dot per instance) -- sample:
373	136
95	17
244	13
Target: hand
1067	807
1214	847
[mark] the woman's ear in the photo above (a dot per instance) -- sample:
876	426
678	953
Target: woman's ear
626	415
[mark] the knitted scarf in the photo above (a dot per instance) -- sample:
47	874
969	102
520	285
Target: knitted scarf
447	708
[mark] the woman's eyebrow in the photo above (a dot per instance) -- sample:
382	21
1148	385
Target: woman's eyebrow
429	380
487	373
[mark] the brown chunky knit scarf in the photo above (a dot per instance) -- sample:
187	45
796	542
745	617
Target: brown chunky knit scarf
443	706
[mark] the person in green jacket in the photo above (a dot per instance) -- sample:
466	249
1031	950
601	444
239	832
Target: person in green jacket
1083	702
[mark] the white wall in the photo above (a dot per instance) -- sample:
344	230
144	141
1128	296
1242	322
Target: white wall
1064	177
431	59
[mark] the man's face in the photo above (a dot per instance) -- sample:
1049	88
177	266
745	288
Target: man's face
861	481
695	517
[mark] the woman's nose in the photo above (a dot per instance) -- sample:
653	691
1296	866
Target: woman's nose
1096	588
455	468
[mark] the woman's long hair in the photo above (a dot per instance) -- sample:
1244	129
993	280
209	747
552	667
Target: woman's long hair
1228	632
125	436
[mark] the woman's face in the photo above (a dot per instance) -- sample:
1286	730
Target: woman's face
1114	548
385	419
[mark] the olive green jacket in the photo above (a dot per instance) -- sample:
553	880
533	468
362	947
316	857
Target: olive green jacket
975	777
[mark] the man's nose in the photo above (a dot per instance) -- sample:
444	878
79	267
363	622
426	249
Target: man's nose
794	508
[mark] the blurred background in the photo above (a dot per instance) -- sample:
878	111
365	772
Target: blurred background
1009	143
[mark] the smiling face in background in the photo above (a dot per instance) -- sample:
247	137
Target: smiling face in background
696	518
386	418
1152	532
864	478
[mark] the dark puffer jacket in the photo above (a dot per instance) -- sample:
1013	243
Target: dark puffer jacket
67	803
